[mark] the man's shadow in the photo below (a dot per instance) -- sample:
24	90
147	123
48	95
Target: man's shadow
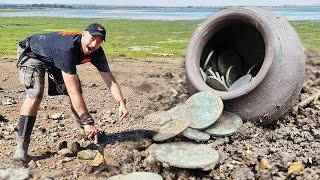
124	136
104	139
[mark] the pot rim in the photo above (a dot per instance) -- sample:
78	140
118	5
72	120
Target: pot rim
196	44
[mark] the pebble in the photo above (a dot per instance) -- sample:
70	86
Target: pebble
32	164
295	168
75	147
9	101
264	164
87	154
57	116
167	75
98	160
65	152
62	145
2	119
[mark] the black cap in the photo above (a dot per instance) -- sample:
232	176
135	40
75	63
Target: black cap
97	29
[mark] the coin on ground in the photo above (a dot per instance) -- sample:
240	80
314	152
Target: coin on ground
203	109
227	124
216	84
244	80
187	155
177	112
195	135
171	129
137	176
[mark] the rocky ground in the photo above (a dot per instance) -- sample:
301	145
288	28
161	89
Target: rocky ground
287	149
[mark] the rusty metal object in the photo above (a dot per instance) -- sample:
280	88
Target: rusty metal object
261	38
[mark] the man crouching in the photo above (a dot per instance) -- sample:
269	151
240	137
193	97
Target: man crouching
58	53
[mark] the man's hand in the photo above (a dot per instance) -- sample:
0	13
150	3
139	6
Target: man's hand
91	132
123	111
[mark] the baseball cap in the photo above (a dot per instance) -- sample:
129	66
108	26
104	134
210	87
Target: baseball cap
97	29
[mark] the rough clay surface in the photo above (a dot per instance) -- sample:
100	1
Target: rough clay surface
148	87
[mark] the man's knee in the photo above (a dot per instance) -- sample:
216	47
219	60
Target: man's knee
33	81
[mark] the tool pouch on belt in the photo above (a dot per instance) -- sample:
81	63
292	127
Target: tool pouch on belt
23	51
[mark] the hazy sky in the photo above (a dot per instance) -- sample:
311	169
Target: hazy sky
170	2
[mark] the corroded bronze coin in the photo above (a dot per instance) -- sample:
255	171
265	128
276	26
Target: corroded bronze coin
203	75
232	75
227	124
195	134
216	84
244	80
171	129
187	155
203	109
226	59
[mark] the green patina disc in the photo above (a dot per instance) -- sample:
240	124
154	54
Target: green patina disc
187	155
232	75
226	59
203	109
171	129
195	134
216	84
163	117
244	80
227	124
137	176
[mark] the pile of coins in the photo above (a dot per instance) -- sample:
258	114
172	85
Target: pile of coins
226	71
199	118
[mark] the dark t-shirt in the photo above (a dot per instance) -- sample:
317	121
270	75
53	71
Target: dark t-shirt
63	50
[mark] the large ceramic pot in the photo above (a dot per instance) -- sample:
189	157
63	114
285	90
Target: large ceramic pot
259	37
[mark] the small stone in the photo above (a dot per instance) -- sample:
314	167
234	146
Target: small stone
62	145
65	152
75	147
98	160
32	164
2	119
10	173
42	129
264	164
168	75
93	111
67	159
55	134
295	168
57	116
87	154
10	128
9	101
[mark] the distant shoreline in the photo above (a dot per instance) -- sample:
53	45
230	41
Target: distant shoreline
86	6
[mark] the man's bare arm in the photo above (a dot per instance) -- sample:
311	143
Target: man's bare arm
112	84
116	92
73	88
